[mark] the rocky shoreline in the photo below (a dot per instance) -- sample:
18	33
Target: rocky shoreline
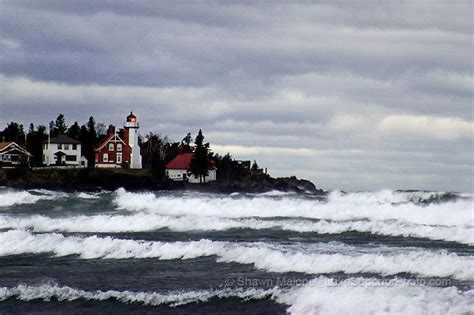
134	180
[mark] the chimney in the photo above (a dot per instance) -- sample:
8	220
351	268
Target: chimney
111	130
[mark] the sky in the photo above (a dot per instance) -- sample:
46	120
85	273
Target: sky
353	95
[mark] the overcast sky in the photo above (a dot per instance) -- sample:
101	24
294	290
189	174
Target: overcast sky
354	95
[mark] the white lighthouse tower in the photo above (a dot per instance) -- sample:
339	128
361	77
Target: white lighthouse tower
131	138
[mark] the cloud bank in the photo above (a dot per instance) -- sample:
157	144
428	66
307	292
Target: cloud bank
355	96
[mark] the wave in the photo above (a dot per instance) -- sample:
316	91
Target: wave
395	197
337	208
83	195
47	292
270	257
10	197
364	296
320	296
141	222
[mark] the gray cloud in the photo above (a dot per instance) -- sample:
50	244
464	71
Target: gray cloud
354	95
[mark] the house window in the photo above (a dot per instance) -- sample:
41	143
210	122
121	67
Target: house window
66	147
71	158
60	146
119	147
119	157
74	146
106	157
111	146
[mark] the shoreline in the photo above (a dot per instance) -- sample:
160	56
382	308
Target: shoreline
93	179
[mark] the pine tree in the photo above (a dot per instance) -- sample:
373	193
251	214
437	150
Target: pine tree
199	162
14	132
60	125
92	131
74	131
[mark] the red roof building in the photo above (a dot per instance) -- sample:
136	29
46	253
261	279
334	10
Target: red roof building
178	168
112	152
117	152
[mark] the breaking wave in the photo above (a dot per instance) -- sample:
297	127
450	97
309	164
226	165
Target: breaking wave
320	296
47	292
141	222
354	296
10	197
339	207
270	257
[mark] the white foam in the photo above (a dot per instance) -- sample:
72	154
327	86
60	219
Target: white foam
319	296
64	293
270	257
83	195
458	213
9	198
139	222
398	297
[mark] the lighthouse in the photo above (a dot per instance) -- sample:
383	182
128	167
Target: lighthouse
131	138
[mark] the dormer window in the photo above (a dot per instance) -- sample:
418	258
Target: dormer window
111	146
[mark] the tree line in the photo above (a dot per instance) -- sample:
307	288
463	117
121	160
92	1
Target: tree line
157	150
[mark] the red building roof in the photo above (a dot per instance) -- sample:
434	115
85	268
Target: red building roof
183	161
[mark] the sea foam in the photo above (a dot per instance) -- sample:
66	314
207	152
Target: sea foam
320	296
270	257
455	213
140	222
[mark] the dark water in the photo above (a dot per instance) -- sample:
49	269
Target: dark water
168	253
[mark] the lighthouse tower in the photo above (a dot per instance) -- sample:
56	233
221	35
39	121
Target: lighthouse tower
131	138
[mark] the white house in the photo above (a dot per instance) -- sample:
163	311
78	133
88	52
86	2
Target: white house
63	150
177	169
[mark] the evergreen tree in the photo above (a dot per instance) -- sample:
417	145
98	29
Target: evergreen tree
88	137
14	132
199	162
34	145
92	131
60	125
255	167
74	131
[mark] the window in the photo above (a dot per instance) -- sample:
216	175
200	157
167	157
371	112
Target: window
74	146
119	157
66	147
119	147
105	157
60	146
71	158
111	146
